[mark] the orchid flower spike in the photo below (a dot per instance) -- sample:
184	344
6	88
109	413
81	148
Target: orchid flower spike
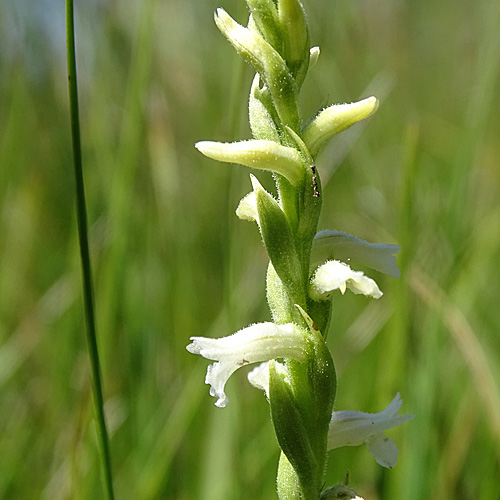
352	428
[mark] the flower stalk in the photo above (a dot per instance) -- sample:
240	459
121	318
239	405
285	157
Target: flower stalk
305	269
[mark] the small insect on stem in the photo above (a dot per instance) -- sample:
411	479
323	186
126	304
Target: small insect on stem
315	181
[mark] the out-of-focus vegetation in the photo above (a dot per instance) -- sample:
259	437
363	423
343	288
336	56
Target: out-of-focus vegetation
171	259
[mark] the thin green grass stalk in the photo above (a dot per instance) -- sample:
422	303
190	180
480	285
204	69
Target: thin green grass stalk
84	253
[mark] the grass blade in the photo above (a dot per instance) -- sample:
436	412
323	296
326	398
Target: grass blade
84	253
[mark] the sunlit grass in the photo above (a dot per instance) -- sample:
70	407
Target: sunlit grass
171	260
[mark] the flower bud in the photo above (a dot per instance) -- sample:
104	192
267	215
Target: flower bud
265	19
296	38
268	63
335	119
259	154
313	56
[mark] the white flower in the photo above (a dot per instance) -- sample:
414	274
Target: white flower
335	275
335	119
259	154
259	377
254	344
352	428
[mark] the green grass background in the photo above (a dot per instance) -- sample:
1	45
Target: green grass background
171	260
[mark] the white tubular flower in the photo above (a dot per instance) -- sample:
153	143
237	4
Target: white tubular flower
335	119
335	275
352	428
254	344
259	154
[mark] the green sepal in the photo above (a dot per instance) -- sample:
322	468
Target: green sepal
265	19
292	434
279	243
268	63
296	51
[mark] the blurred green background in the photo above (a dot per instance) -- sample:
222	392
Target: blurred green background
171	260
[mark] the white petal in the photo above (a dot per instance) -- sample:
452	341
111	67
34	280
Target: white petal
343	246
256	343
383	449
335	275
217	376
259	377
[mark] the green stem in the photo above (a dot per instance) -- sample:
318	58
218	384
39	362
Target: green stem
81	212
